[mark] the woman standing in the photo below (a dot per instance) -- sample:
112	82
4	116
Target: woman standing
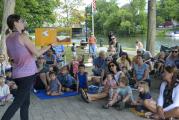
21	50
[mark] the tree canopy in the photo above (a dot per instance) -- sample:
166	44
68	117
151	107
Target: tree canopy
40	12
36	12
168	10
129	19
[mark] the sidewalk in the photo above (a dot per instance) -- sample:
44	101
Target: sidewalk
73	108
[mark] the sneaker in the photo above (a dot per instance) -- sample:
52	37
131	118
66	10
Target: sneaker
171	118
84	96
106	106
35	91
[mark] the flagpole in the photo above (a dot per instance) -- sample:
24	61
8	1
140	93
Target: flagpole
92	18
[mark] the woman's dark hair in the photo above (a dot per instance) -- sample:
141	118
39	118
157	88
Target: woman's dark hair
175	78
110	33
7	31
170	69
109	64
175	47
11	19
137	41
128	59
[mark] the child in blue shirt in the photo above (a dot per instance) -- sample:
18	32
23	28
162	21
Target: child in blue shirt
67	81
82	78
55	86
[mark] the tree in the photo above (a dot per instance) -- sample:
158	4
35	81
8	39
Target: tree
126	20
1	12
151	33
69	13
168	9
37	12
9	6
137	9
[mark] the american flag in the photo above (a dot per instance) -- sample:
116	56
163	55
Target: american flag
94	5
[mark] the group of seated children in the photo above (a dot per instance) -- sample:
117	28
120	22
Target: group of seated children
56	81
7	86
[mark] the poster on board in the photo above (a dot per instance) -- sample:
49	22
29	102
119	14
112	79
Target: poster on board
64	36
45	36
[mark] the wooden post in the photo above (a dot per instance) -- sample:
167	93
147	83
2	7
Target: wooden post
151	33
9	6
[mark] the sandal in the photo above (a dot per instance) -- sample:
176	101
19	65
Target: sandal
154	117
148	115
84	96
121	106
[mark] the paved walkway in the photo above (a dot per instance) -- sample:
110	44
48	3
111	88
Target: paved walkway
72	108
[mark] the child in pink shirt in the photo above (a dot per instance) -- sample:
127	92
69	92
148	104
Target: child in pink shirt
110	84
74	65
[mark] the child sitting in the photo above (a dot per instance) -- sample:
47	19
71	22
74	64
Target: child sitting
126	73
145	100
74	66
82	78
67	81
55	86
5	95
159	65
43	69
2	64
123	94
81	59
110	84
12	85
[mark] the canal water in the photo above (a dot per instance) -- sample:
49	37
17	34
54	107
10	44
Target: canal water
129	42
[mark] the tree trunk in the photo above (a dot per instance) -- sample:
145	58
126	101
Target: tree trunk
151	33
9	6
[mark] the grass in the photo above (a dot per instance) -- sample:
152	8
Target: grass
69	55
82	52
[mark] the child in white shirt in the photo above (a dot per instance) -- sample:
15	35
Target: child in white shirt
5	95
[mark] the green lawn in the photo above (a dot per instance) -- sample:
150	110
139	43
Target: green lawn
69	56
